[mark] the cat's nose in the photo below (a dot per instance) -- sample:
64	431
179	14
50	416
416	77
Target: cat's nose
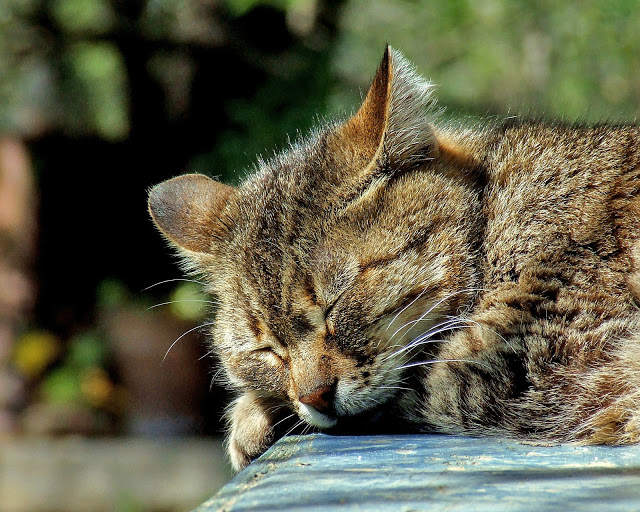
320	399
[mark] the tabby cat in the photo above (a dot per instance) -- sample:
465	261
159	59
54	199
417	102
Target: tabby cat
396	272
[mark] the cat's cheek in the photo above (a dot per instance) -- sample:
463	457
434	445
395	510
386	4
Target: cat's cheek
235	379
357	395
257	372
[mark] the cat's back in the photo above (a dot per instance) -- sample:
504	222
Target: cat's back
562	209
556	319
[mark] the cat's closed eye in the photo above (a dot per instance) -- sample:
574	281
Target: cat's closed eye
271	354
331	307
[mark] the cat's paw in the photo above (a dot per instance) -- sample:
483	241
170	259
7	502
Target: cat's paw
251	431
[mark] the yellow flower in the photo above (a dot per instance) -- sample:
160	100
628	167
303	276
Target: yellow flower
34	351
96	386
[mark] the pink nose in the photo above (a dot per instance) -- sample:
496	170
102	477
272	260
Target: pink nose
320	399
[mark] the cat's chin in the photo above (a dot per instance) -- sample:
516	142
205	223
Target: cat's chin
315	418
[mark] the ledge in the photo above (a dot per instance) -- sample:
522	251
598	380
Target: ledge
432	472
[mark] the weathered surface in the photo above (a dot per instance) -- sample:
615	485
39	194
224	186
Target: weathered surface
432	473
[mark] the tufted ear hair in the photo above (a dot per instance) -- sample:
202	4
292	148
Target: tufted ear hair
392	126
189	210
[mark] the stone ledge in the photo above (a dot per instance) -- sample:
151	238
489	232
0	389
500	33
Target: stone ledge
320	473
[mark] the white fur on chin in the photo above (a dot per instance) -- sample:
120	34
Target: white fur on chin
315	418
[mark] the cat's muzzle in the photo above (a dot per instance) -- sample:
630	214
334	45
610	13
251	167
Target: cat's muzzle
317	409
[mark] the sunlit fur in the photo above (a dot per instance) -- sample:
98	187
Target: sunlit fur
479	280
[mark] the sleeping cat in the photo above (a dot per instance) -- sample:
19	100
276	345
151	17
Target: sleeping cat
396	270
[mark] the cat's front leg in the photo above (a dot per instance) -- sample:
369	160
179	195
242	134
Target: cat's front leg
251	429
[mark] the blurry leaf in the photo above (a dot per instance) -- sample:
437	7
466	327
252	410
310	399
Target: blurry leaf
188	302
83	15
544	58
85	351
240	7
183	20
18	7
101	87
62	386
285	106
111	293
34	351
27	82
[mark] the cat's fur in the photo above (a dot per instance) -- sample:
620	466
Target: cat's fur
423	276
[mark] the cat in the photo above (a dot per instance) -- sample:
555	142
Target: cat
402	271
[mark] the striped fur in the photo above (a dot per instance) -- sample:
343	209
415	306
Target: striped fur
397	272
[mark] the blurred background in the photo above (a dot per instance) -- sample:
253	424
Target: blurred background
101	99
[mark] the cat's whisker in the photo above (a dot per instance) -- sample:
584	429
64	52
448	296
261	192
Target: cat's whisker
395	387
206	354
182	336
450	324
436	329
414	344
426	313
421	319
308	428
407	324
481	326
173	281
283	420
406	307
400	312
419	345
440	327
275	408
434	361
400	309
371	399
204	301
453	294
216	378
297	424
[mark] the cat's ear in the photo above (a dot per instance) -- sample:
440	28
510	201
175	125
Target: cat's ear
188	210
393	124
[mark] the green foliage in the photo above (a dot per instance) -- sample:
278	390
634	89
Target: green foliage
187	302
286	106
62	386
75	82
86	355
97	85
240	7
111	293
83	16
577	60
86	350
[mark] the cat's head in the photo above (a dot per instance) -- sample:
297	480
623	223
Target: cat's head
336	257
